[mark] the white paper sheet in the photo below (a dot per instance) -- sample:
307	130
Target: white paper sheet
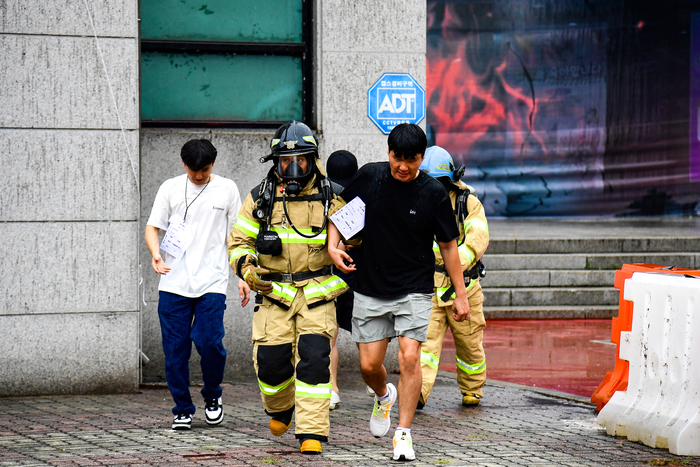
175	240
350	219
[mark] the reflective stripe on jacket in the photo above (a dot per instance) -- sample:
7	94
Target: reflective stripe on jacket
474	239
299	253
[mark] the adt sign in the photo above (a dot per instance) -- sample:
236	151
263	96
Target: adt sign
395	98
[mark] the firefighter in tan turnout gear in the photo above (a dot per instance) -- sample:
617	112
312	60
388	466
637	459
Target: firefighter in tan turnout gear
278	246
472	243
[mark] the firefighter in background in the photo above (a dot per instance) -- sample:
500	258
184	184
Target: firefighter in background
278	246
473	240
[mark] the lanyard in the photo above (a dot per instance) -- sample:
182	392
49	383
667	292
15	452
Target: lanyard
187	206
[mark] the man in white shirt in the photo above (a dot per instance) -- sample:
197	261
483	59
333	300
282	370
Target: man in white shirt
197	210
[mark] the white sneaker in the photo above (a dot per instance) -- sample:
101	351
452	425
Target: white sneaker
335	400
182	421
380	421
370	391
213	411
403	446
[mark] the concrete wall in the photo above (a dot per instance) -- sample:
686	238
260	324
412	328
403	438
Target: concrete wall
68	198
352	51
71	213
357	43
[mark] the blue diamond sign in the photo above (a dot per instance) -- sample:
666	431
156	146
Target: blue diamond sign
395	98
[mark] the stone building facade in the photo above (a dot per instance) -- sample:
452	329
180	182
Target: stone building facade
81	173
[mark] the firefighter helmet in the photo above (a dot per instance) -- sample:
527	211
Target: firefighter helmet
438	163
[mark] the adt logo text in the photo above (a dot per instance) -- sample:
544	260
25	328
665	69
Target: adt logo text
396	103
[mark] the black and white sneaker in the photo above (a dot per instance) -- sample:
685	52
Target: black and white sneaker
182	421
213	411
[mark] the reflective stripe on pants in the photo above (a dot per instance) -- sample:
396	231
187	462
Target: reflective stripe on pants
273	325
468	336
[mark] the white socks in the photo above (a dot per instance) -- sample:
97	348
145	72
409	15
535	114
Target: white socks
385	396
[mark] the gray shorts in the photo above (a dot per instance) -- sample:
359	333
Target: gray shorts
374	319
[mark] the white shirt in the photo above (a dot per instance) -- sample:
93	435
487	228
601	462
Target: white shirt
210	217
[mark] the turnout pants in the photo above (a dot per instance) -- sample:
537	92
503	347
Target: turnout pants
291	353
468	337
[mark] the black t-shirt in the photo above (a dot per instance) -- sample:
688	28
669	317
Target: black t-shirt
401	220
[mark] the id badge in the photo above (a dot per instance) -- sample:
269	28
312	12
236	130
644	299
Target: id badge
175	240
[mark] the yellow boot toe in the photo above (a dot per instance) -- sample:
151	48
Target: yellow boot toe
278	428
470	399
311	446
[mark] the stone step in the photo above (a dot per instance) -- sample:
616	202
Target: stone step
550	312
593	245
590	261
551	296
547	278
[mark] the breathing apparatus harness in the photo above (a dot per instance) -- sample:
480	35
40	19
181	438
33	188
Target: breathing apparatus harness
461	212
268	241
326	194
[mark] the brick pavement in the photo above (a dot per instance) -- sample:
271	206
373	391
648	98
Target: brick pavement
513	426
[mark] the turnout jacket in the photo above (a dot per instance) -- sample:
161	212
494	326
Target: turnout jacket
299	254
473	240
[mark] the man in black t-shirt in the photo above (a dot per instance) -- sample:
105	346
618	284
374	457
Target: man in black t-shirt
405	210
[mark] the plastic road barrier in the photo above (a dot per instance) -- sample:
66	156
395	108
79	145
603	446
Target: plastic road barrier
617	379
661	406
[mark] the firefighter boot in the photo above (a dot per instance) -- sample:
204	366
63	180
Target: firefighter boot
470	399
310	446
281	421
421	402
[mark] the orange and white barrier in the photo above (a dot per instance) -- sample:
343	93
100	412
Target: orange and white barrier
616	380
661	406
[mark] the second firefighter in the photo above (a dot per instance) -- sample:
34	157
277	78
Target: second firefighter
473	241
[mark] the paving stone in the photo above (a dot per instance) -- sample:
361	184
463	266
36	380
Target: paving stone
513	426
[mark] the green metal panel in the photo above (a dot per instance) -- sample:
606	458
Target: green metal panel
222	20
220	87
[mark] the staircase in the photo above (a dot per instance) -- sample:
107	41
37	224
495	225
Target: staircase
544	278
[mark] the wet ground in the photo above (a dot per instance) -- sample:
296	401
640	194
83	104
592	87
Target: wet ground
513	426
571	356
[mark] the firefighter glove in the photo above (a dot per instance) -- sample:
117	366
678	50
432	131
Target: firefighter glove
256	283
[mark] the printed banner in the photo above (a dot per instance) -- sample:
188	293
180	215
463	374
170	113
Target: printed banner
566	114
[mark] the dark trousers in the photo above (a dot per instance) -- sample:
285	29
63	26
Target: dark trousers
184	320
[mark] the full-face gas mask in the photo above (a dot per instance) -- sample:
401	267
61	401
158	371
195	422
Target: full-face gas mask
296	169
